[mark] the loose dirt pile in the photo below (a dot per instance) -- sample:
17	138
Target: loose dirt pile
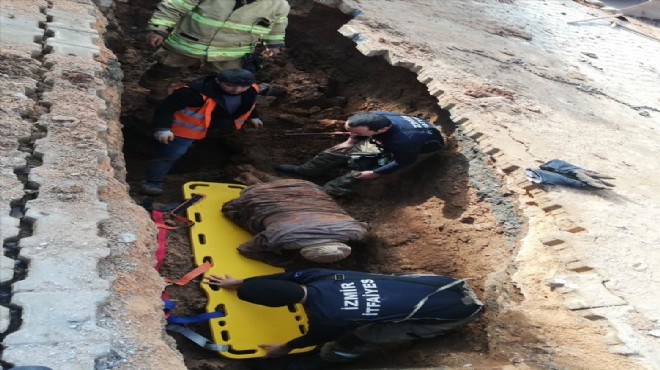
431	219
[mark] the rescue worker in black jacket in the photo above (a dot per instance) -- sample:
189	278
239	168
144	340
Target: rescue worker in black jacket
355	312
393	140
224	100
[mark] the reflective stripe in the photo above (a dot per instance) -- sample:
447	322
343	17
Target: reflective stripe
161	22
421	303
193	48
181	4
346	354
231	25
192	113
278	37
280	20
189	126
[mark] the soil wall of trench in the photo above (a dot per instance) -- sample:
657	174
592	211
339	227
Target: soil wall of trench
450	214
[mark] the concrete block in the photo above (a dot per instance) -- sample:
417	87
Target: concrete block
58	317
62	48
5	318
446	100
369	51
62	19
56	355
437	92
71	38
67	271
23	28
6	268
9	227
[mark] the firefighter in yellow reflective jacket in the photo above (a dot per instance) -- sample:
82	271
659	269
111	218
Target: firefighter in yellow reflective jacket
211	34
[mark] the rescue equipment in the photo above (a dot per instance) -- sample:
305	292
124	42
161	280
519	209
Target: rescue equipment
214	239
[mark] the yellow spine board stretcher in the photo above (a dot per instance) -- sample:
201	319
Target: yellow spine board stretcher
215	237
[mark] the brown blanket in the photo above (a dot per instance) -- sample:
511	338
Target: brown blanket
289	212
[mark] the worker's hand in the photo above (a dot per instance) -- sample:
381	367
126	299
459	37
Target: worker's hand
164	136
275	350
226	282
348	144
271	52
154	39
257	123
366	175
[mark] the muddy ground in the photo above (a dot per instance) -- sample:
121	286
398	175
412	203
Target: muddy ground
443	217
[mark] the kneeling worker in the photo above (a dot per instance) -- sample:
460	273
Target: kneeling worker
356	312
399	138
224	100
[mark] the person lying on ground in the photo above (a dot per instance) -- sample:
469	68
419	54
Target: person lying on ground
221	101
291	214
356	313
394	140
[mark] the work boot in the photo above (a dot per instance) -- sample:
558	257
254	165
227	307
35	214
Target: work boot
151	189
271	90
157	95
342	185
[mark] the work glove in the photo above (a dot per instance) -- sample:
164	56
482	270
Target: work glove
257	123
591	178
164	136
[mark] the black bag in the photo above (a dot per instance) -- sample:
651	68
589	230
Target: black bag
367	161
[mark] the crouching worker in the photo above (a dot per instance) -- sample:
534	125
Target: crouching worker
380	143
356	313
290	214
221	101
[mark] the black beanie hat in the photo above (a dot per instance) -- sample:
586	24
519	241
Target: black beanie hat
368	119
236	76
271	293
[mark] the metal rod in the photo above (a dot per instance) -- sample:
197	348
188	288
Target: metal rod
316	133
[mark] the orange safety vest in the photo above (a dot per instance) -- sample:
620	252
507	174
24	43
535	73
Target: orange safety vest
193	122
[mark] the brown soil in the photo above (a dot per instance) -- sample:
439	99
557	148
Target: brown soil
428	220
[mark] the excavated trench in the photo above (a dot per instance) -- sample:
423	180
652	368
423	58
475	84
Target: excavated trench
447	215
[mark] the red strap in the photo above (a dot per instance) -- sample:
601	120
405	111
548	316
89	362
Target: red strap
183	222
175	214
157	216
192	274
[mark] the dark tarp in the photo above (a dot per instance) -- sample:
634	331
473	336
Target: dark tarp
291	214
